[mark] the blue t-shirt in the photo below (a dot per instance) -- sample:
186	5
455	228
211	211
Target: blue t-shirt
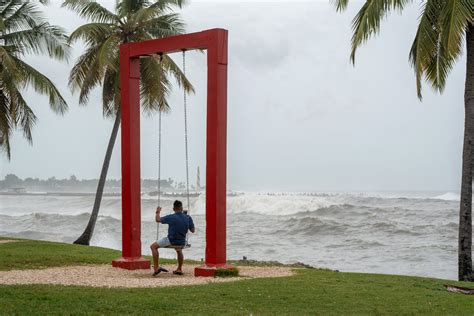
179	224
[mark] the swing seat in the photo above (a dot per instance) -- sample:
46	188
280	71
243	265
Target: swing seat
176	247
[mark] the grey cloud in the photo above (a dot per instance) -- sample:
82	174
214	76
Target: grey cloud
300	116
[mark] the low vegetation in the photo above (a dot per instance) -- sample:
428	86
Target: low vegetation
225	273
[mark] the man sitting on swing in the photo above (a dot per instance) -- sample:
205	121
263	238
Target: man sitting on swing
179	224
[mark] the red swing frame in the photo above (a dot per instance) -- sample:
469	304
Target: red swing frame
215	42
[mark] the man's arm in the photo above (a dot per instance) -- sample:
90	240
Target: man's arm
157	214
192	229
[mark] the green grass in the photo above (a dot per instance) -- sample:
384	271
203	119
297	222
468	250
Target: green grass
310	291
29	254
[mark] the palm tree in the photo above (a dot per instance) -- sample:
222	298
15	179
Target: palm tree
133	20
444	26
23	30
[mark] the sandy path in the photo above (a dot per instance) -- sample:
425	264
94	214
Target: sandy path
107	276
6	241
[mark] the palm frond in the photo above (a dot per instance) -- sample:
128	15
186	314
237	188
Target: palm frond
6	125
5	143
340	5
154	85
91	68
128	7
8	62
83	66
124	7
7	8
91	10
439	40
454	16
172	68
111	93
20	114
92	33
426	43
144	14
91	80
26	119
108	55
165	5
25	15
157	9
367	21
5	119
43	38
42	85
2	25
165	25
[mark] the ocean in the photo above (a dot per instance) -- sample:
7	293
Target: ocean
408	233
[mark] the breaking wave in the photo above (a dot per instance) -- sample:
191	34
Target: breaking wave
448	196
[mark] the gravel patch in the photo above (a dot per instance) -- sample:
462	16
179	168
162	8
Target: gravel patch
107	276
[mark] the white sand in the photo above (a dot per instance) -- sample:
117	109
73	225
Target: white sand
107	276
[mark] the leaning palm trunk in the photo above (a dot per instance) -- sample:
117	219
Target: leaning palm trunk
87	234
132	21
465	213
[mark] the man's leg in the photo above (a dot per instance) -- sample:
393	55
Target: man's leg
179	252
156	256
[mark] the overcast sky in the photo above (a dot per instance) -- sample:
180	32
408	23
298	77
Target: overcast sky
300	116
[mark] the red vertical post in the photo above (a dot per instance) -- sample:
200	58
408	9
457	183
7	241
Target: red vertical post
216	156
215	41
131	193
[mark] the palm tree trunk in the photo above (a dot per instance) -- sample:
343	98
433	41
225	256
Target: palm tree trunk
86	236
465	213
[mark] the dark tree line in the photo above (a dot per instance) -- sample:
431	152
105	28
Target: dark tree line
12	181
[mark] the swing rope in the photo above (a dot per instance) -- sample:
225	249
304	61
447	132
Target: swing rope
186	130
159	174
186	149
159	162
186	142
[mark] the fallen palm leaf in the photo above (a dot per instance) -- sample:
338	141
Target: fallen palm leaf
459	289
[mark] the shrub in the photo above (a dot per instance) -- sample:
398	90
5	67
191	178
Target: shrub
226	273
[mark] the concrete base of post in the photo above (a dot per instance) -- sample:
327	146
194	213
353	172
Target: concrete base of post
131	263
210	271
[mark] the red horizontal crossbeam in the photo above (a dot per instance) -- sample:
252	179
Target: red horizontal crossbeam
173	44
